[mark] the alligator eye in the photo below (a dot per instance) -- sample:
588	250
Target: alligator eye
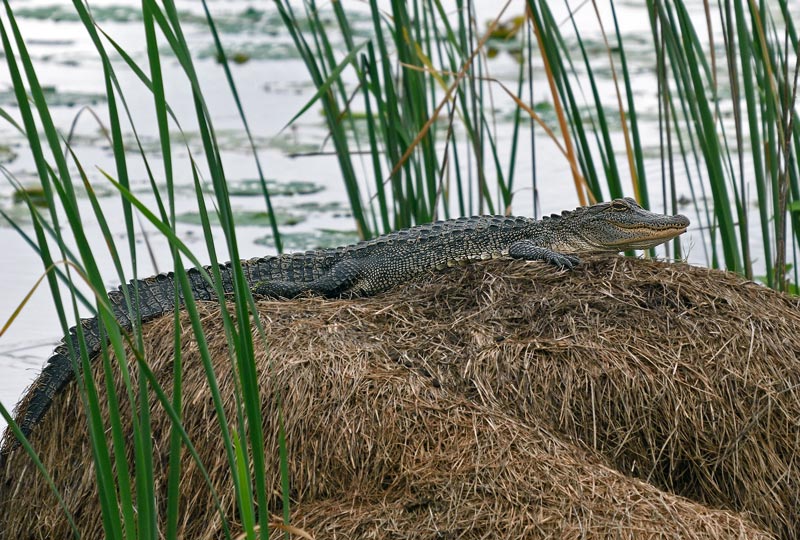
619	205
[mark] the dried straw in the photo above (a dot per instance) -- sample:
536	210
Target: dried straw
625	399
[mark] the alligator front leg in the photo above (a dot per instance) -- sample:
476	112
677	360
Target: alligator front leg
529	251
334	283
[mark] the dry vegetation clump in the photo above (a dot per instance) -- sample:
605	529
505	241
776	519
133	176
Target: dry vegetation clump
625	399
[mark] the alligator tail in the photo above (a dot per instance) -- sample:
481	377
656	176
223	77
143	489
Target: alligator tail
155	298
152	297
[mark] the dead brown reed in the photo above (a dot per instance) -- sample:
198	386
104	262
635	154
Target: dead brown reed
625	399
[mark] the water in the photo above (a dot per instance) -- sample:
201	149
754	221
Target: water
273	85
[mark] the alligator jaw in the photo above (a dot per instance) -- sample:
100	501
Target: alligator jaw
650	235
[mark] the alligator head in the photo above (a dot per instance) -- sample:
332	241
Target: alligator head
619	225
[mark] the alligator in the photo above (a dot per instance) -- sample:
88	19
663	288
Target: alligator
369	267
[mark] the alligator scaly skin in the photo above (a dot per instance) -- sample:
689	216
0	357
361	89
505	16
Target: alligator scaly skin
373	266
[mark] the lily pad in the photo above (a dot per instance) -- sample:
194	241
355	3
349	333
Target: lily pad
320	207
63	13
242	52
48	42
56	98
244	218
292	145
34	194
228	140
235	57
316	239
251	187
7	154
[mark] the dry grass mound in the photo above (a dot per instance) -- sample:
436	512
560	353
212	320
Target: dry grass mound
625	399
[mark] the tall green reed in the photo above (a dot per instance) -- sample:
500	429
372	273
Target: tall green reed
411	142
717	107
756	67
129	504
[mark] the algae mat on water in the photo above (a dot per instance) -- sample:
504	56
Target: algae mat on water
625	399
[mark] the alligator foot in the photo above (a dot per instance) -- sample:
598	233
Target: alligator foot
528	251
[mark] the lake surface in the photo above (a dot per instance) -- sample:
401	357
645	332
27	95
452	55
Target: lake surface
273	84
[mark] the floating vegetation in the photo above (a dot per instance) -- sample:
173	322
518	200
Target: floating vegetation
315	239
251	187
249	20
33	194
57	98
64	13
7	154
544	109
274	50
261	22
267	22
506	37
244	218
292	145
55	42
288	87
228	140
507	30
235	57
321	207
